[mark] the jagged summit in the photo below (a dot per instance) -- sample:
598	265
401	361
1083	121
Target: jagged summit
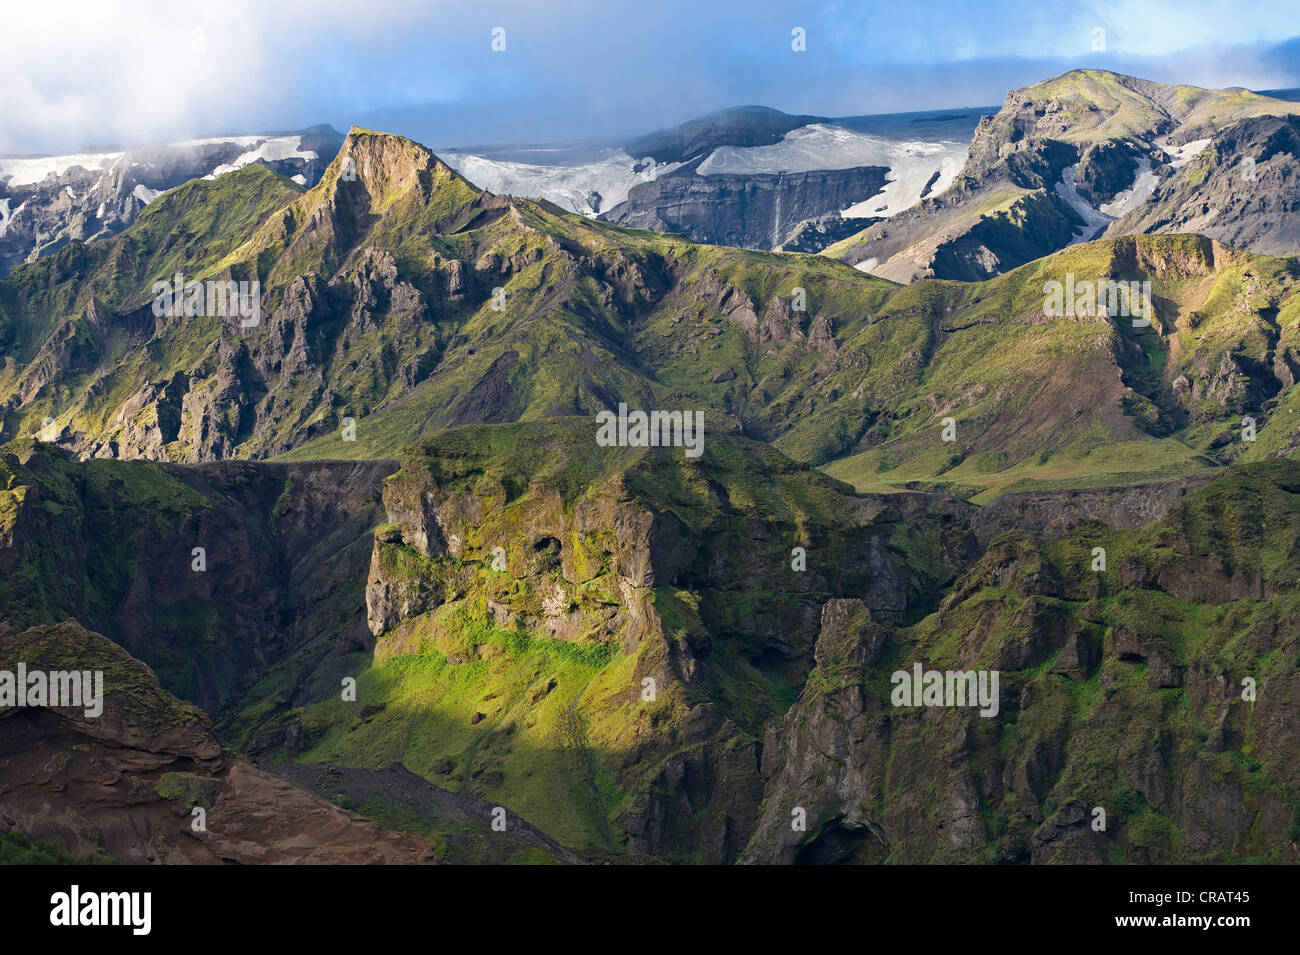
381	190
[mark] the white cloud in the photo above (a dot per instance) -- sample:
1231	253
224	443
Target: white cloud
81	72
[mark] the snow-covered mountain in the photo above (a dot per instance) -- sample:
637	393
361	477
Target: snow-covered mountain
47	201
1091	153
749	176
791	172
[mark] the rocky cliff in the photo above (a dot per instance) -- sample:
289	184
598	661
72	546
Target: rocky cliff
210	574
756	211
1145	705
1242	188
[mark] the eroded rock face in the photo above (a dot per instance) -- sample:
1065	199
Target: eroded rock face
609	564
1052	513
1092	757
124	783
1241	189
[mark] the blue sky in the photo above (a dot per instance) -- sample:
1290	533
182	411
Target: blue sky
150	70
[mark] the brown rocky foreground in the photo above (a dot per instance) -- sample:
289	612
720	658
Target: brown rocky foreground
125	784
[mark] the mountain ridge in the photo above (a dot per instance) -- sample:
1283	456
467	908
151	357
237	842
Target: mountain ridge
1039	170
407	301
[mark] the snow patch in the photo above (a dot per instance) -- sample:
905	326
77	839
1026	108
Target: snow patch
266	150
1094	219
31	170
7	217
1144	184
903	187
1180	156
300	179
250	140
588	189
145	194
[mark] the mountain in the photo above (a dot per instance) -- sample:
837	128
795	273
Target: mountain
1082	155
49	201
359	315
378	307
749	176
656	652
1065	158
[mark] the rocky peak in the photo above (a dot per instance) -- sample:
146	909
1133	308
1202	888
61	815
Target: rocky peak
384	164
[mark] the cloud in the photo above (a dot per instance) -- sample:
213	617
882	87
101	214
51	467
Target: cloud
80	73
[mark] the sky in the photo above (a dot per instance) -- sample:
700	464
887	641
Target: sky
79	74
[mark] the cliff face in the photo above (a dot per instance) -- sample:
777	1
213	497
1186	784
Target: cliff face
650	616
1242	188
1155	690
281	572
1053	513
757	211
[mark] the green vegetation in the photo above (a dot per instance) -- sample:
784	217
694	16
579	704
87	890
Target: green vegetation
525	683
17	849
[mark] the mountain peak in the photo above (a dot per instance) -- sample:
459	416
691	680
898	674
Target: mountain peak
384	162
